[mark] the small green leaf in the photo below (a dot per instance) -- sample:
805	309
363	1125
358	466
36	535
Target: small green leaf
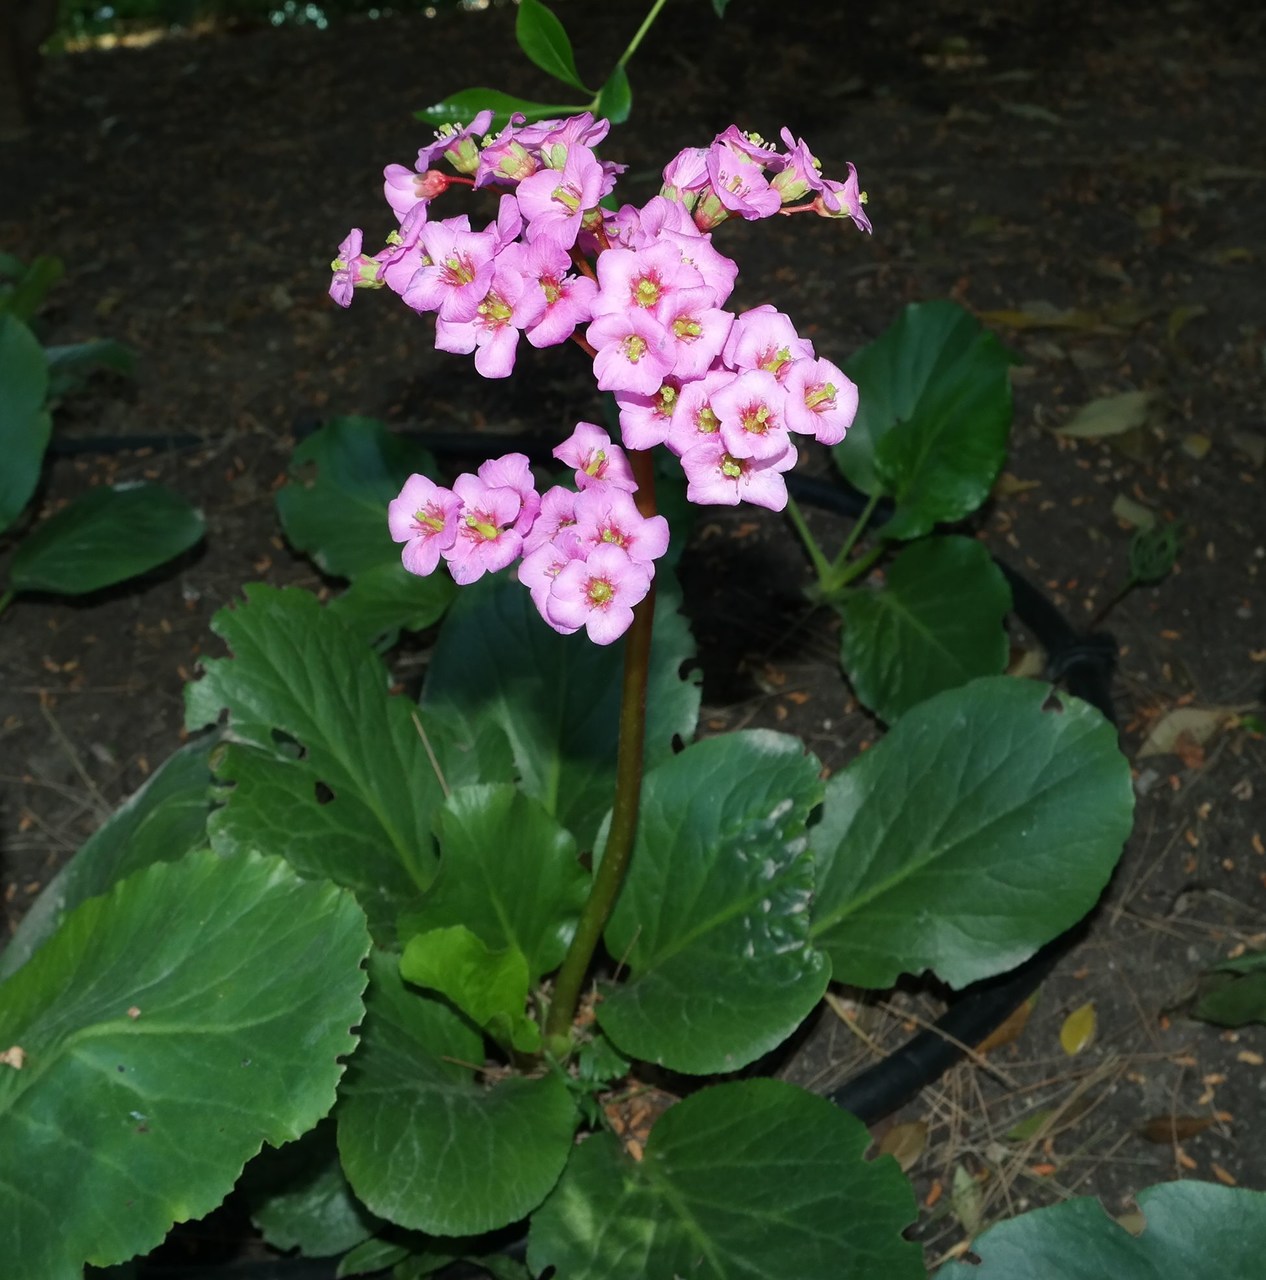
489	987
936	622
425	1144
24	421
615	98
171	1027
106	536
1154	552
1235	992
756	1179
933	417
508	871
341	479
713	919
556	699
978	829
69	367
542	38
463	107
161	822
30	285
382	601
1196	1230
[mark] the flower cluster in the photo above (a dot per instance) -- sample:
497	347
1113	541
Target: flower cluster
726	392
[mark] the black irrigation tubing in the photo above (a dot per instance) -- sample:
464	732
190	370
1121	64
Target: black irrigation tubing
1084	663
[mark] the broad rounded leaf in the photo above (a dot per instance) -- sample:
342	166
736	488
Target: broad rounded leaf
341	479
1196	1230
1235	992
615	98
321	763
933	417
24	421
936	622
162	821
508	872
556	698
981	827
424	1143
756	1179
106	536
382	601
713	919
170	1028
542	37
463	107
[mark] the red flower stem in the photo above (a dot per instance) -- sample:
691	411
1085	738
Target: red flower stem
609	877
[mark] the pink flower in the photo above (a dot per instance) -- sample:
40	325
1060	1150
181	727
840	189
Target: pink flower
553	202
646	278
456	144
493	518
645	420
404	189
493	332
567	299
751	410
694	419
764	338
557	514
353	269
632	351
598	593
740	183
606	516
424	518
595	459
843	200
541	565
696	331
404	258
718	478
821	400
514	471
460	273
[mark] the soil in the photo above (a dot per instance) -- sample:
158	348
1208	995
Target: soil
1088	178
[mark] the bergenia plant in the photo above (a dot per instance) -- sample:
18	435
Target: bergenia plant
481	950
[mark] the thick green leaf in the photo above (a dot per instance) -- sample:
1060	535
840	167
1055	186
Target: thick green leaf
463	107
542	38
713	919
341	479
1235	992
615	98
383	600
936	622
425	1143
30	285
301	1199
556	698
981	827
508	871
1196	1230
371	1257
69	367
933	417
321	763
161	822
170	1028
24	421
106	536
756	1179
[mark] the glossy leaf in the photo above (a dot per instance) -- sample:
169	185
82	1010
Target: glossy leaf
756	1179
542	37
935	623
1196	1230
320	762
24	421
615	98
978	829
170	1028
509	872
106	536
932	423
463	107
161	822
425	1144
341	479
556	698
713	920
